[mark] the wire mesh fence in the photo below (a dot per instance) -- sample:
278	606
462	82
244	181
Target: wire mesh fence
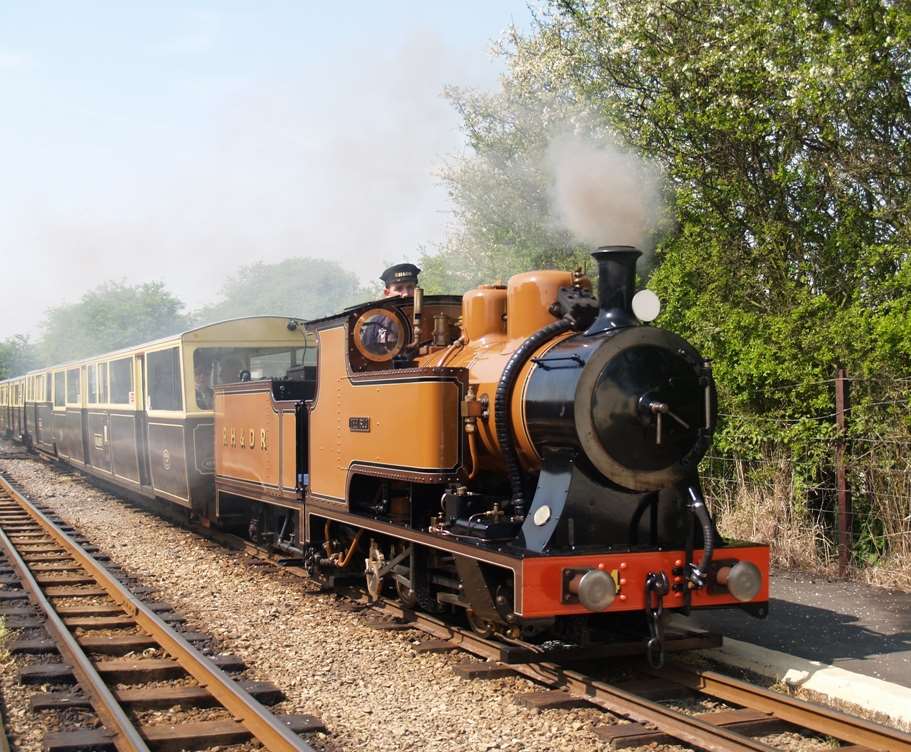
821	479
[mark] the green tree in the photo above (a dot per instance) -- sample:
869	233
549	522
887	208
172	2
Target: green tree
504	222
17	355
111	316
300	287
784	129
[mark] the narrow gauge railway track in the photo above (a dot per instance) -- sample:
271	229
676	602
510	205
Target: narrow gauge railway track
758	711
761	712
48	563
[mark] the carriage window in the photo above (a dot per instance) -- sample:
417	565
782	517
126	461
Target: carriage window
226	365
59	389
102	383
72	387
121	380
92	384
48	386
165	386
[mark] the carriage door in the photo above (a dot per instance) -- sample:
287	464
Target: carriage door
142	429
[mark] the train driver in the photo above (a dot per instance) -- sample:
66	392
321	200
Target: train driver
380	334
400	280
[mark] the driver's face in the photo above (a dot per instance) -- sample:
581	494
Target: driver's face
399	290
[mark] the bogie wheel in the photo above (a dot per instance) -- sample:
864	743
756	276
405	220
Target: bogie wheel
375	562
407	597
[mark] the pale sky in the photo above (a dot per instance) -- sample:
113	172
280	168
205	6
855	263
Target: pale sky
179	140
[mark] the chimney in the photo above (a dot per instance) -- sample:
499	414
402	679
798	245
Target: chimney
616	285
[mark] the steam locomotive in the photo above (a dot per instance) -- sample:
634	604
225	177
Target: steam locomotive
523	454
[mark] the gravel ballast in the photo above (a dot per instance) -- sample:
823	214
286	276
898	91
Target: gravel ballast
367	686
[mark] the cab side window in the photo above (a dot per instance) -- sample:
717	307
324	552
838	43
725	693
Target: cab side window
165	385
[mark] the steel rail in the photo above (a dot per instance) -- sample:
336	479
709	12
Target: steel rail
125	736
806	714
679	725
271	732
801	713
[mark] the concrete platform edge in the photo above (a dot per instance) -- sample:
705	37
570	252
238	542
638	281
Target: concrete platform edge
881	698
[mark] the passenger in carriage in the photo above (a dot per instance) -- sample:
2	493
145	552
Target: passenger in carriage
203	387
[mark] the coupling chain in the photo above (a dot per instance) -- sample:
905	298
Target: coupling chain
656	587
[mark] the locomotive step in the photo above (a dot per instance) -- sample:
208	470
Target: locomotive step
156	697
123	672
171	738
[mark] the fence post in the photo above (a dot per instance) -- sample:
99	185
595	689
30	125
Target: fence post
845	517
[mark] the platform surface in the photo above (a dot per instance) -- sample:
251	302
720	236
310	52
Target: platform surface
851	625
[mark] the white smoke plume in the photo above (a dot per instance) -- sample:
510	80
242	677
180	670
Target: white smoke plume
603	194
